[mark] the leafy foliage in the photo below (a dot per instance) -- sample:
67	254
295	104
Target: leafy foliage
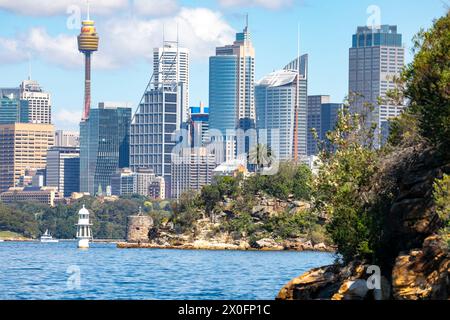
427	82
344	177
441	193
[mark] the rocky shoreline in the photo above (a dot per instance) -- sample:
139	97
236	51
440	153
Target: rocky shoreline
264	245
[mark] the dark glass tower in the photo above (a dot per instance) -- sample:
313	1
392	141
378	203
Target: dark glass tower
104	147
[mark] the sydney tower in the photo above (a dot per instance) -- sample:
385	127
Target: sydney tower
87	44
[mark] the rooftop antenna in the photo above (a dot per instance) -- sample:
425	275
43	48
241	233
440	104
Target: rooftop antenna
88	10
246	21
29	66
297	96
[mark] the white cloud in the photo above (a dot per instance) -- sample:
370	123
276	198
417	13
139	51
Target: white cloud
268	4
155	7
67	117
200	30
59	7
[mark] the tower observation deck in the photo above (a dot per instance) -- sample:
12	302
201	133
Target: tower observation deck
88	41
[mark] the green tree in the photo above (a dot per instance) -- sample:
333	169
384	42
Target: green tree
427	83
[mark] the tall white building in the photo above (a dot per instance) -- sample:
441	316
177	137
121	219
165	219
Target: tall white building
376	57
277	95
171	65
39	102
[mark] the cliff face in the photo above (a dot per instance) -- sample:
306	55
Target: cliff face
414	261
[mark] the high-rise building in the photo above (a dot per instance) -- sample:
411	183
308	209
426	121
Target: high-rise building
315	121
171	65
191	170
153	132
104	146
87	44
22	146
63	169
65	138
328	118
376	57
231	90
39	102
198	125
322	118
159	117
12	108
281	110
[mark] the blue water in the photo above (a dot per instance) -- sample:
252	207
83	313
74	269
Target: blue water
61	271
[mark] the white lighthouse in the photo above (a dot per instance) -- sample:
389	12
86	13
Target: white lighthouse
84	233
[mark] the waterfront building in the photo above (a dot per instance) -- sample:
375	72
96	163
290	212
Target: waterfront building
191	170
39	102
231	91
44	195
65	138
104	146
63	169
376	57
22	146
281	110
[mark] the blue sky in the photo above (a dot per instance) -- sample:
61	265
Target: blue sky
129	29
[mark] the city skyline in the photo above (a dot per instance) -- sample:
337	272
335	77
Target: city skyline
44	29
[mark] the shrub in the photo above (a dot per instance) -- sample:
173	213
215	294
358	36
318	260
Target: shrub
441	193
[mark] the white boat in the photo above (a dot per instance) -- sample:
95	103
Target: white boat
47	238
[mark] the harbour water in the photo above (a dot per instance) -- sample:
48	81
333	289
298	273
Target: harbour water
61	271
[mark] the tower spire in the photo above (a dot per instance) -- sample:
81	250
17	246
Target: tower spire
88	10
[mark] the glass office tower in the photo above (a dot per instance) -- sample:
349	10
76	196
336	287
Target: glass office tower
104	146
12	108
376	57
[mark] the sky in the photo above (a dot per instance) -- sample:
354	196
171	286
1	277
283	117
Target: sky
42	34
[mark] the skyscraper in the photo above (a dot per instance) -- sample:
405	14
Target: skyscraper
231	89
39	102
104	146
198	125
280	107
153	131
159	117
171	65
315	120
376	57
12	108
22	146
87	44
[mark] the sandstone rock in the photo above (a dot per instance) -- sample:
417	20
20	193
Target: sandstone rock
422	273
352	290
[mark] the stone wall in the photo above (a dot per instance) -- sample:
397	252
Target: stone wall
138	228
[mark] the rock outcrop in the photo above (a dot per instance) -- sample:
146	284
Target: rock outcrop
423	274
414	260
